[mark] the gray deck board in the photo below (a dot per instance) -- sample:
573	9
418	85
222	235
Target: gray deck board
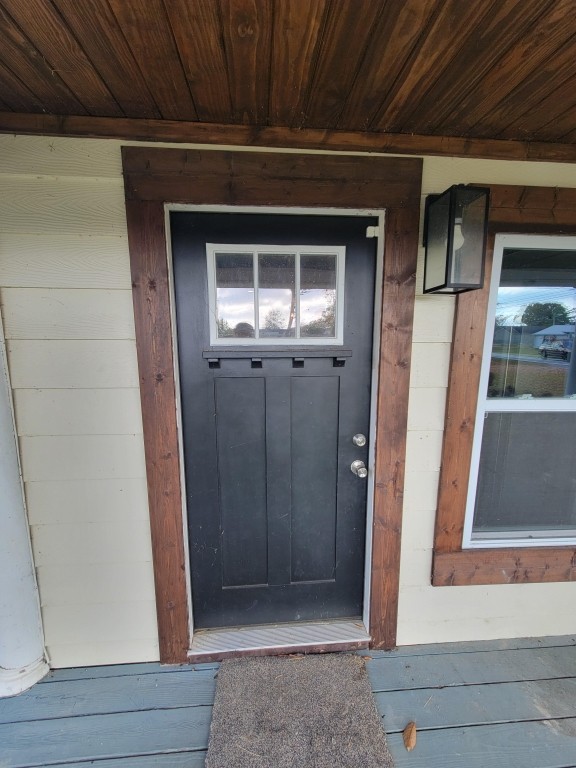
433	708
472	646
72	739
481	667
172	760
106	695
503	704
543	744
120	670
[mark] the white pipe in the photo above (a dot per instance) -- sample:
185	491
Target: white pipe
22	655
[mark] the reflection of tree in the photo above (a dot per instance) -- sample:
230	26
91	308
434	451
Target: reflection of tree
546	313
224	328
275	320
325	325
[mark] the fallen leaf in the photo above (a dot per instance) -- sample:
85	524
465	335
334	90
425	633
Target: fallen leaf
409	736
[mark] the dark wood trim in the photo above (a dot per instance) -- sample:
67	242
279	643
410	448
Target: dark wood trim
398	290
151	297
505	566
282	179
267	178
532	210
461	402
138	129
285	650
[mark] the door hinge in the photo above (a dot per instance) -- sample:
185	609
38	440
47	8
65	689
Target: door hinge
372	231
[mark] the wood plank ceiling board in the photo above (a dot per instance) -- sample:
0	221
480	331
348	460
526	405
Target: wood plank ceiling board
198	33
58	46
247	30
97	31
15	94
484	69
526	56
450	29
552	118
562	124
148	33
343	40
399	30
25	61
528	95
491	38
294	51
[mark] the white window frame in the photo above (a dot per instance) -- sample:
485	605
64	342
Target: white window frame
339	251
510	405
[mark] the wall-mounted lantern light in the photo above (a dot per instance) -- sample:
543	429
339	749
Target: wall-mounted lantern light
455	226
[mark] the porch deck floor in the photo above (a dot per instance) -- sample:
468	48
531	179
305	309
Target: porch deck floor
506	704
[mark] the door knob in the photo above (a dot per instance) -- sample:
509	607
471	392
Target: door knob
359	468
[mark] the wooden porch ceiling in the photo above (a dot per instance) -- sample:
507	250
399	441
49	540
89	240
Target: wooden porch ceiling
469	69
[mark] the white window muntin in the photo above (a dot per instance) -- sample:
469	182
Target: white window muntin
339	251
519	405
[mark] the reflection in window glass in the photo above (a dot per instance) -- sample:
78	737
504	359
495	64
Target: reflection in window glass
525	486
235	295
277	295
526	477
317	295
534	327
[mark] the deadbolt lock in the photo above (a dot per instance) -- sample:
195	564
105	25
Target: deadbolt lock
359	440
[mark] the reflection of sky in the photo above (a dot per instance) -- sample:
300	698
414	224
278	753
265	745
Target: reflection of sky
512	301
312	304
236	305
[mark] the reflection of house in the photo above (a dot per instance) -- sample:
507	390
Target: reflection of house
564	333
262	110
513	335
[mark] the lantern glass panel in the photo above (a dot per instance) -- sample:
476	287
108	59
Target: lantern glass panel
466	264
437	242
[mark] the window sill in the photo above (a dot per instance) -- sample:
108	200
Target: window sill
504	566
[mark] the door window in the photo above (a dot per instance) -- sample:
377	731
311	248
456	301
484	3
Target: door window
270	294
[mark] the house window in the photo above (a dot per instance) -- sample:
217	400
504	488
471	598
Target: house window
270	294
522	489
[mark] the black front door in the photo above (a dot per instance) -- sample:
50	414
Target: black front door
275	327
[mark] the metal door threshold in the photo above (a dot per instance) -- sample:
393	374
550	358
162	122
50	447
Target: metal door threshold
277	639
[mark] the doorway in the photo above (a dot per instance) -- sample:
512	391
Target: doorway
275	320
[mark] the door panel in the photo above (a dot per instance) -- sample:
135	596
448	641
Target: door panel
276	517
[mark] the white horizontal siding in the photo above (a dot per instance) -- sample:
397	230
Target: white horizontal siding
64	260
72	205
426	408
57	313
433	318
96	653
101	543
77	411
51	502
65	295
100	622
87	364
82	457
54	156
430	365
84	582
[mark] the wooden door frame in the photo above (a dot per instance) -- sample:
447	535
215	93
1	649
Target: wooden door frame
155	177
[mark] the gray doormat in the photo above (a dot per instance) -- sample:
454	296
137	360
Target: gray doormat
312	711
